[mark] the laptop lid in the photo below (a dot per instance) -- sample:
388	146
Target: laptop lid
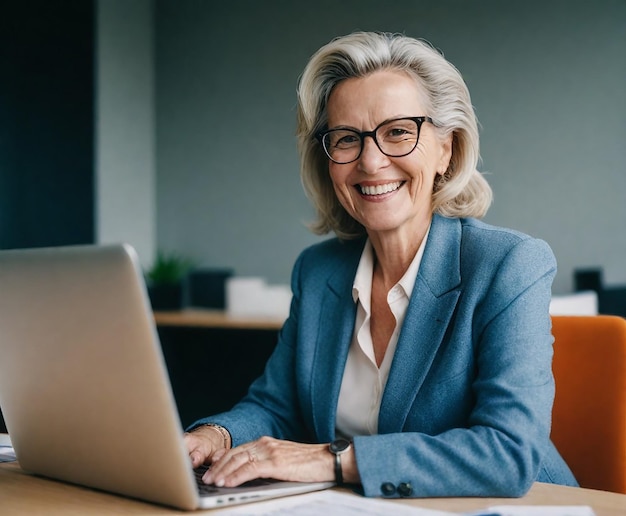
84	387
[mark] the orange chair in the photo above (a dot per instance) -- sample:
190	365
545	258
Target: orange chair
589	415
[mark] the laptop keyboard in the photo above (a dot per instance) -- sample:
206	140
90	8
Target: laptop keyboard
206	489
203	488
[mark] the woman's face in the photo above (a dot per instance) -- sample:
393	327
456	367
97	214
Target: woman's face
387	195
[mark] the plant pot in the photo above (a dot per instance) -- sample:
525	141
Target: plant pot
166	297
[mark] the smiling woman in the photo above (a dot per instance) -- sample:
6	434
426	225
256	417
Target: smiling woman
437	89
387	186
416	358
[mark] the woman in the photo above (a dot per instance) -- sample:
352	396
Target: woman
416	359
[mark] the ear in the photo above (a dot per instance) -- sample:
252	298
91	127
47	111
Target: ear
445	154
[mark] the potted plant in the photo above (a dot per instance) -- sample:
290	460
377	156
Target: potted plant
167	279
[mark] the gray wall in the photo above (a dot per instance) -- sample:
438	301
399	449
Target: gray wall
547	79
124	168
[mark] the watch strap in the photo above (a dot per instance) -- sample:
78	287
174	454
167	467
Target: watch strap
338	470
337	447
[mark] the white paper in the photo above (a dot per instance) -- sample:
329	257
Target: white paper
7	454
331	503
542	510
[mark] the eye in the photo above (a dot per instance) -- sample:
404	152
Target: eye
344	139
398	130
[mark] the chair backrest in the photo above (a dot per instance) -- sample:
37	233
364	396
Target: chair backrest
589	415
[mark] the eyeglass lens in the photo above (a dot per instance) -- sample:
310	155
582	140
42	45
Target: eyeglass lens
394	138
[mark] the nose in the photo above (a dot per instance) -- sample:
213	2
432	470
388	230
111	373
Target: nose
371	158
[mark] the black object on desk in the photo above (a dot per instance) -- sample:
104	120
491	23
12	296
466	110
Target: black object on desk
611	300
207	287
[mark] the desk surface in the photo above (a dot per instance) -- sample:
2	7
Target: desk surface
204	318
24	494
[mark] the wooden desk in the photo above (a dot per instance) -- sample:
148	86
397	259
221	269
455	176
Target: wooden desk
204	318
24	494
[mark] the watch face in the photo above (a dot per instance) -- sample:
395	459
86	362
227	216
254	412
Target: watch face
339	446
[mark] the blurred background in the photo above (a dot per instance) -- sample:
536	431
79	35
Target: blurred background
117	117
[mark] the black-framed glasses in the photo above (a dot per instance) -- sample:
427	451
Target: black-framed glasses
395	138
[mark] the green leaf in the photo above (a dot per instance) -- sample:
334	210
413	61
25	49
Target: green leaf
169	268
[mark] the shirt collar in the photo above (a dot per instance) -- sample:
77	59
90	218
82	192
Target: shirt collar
362	285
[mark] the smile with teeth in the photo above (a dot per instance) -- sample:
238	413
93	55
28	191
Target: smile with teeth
380	189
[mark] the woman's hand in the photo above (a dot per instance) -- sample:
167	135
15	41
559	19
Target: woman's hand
202	444
273	458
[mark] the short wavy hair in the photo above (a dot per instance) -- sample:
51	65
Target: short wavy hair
461	191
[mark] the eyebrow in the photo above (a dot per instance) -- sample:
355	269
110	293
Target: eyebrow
351	128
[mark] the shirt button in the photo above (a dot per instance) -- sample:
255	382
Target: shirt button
388	489
405	489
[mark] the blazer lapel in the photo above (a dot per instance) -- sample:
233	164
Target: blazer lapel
336	326
431	306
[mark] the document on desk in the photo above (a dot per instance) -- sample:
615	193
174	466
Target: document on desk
7	454
537	510
331	503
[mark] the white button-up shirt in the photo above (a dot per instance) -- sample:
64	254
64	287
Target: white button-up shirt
363	381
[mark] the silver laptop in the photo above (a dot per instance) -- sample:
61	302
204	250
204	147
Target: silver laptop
83	384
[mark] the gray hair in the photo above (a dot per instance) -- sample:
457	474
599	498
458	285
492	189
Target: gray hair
461	191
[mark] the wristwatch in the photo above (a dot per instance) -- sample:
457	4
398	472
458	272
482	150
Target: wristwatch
337	447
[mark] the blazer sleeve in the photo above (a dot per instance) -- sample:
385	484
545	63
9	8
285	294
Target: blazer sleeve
502	330
271	406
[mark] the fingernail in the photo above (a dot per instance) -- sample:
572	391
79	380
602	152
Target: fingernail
220	482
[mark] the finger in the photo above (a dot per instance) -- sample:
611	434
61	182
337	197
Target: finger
235	467
197	457
223	464
218	455
247	471
196	449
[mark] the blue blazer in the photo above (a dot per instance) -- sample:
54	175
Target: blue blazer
467	406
